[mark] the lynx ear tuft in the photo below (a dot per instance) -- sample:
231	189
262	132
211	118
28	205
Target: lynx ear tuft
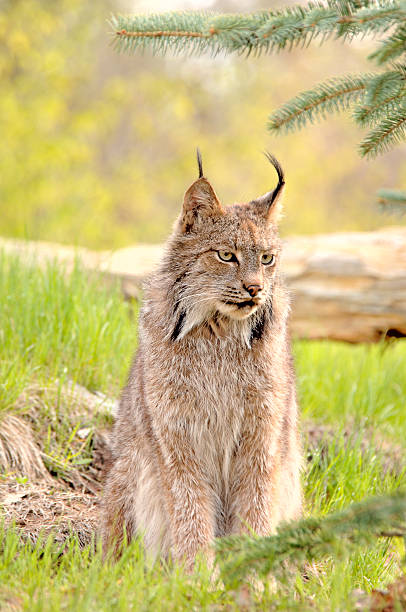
199	162
200	202
270	204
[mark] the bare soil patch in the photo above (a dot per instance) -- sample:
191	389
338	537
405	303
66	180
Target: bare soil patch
50	508
58	507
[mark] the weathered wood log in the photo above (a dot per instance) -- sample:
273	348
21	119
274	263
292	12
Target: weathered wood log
348	286
345	286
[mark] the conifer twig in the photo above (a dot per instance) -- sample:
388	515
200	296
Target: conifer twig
313	538
392	200
387	133
331	96
198	32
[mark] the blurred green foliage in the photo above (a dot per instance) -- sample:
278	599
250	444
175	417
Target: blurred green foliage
97	149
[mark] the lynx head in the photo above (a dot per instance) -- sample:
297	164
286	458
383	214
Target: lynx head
225	259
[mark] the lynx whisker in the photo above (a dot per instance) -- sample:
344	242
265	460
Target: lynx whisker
194	295
197	294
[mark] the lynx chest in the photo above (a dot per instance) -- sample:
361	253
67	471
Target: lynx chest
206	388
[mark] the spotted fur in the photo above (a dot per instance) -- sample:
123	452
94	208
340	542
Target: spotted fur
206	440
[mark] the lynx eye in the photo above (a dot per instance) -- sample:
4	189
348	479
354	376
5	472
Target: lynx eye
226	256
268	259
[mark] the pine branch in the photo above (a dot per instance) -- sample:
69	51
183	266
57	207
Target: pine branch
347	7
368	20
384	94
392	200
386	134
197	32
190	33
384	85
369	115
313	538
328	97
297	25
394	46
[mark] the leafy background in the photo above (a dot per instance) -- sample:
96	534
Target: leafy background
97	149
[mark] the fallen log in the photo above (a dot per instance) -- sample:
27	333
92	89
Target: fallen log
346	286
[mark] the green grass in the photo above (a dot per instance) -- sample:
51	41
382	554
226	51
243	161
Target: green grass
56	327
365	385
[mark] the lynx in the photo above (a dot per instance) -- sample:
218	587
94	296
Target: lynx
206	440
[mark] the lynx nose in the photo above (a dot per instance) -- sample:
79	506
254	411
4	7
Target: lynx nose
253	290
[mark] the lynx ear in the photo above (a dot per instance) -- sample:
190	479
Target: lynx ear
270	204
200	202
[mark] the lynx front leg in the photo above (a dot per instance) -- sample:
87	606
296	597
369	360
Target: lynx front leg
190	504
118	508
254	480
